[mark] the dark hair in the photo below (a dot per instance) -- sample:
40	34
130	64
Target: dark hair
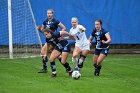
100	21
47	30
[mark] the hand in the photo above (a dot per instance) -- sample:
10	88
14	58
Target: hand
104	42
39	27
89	43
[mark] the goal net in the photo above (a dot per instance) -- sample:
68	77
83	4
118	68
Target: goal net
18	34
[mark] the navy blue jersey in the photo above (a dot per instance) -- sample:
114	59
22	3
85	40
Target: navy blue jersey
59	44
99	36
53	24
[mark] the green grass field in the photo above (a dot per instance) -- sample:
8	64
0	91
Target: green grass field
120	74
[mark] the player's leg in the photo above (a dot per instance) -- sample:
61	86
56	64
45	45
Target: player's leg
76	51
51	49
102	56
59	58
99	61
95	58
85	49
82	58
44	59
64	56
53	56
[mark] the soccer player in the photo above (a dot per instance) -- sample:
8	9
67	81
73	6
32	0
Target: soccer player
103	39
53	24
81	43
61	47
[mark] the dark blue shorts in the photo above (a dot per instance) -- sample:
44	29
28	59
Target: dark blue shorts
67	48
101	51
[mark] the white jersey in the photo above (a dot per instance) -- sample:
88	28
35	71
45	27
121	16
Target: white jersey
80	37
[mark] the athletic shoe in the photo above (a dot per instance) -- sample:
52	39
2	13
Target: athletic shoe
43	71
80	65
97	72
70	73
53	75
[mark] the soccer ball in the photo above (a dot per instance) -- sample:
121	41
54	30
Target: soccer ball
76	74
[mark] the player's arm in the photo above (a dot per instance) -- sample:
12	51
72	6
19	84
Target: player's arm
41	28
62	26
108	39
82	28
90	39
69	36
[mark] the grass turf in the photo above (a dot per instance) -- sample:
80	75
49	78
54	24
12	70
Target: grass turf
120	74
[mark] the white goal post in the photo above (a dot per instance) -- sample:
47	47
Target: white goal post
10	30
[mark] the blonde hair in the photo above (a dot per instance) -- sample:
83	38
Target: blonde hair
74	18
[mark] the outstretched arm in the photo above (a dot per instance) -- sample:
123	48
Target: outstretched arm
41	28
66	33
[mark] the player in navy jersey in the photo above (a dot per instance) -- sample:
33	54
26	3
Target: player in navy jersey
53	24
61	47
103	39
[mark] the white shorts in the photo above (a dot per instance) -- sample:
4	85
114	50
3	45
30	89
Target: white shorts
83	46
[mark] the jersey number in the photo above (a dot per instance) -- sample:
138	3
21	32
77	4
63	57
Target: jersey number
77	35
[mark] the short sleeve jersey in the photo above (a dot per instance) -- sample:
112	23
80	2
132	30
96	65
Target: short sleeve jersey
99	36
60	44
52	24
79	36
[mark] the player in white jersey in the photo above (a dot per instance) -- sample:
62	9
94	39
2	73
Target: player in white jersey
81	45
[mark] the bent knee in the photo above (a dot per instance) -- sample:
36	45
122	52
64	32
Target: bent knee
51	59
74	55
63	62
43	53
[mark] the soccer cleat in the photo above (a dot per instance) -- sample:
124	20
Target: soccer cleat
70	73
53	75
96	74
43	71
97	71
80	65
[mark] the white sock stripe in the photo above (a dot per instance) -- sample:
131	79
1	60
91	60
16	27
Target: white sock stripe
80	61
